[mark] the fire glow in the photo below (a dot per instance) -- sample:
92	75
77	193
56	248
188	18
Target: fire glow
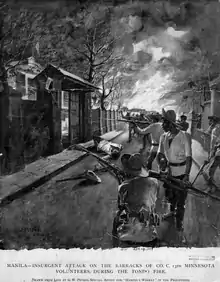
149	92
152	85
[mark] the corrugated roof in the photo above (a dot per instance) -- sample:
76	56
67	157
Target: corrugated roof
73	76
214	81
69	75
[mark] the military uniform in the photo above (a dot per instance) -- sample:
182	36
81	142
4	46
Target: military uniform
184	125
137	196
176	150
155	130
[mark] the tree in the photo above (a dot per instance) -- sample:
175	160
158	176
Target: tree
108	88
92	41
77	38
14	20
117	97
104	97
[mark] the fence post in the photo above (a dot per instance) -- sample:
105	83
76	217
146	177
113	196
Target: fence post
111	119
114	116
105	121
100	120
56	111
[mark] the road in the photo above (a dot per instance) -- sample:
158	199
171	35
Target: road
67	215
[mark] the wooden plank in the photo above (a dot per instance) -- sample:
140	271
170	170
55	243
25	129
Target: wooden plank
36	174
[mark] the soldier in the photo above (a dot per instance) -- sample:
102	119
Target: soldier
214	153
155	130
211	125
175	157
130	124
110	148
137	198
146	137
184	125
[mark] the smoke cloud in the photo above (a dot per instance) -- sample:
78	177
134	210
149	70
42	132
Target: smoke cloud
164	47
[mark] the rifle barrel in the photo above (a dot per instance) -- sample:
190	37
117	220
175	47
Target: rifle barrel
113	168
180	185
136	121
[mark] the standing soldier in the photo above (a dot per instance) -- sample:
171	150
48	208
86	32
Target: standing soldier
175	156
214	153
184	125
130	124
155	130
146	137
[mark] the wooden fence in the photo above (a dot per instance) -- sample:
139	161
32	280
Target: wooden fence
202	137
26	145
105	121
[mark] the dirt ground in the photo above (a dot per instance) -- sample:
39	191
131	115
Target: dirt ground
68	215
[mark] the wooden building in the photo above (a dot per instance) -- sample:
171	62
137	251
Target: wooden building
204	102
69	102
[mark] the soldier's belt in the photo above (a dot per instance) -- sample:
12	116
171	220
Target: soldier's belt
177	164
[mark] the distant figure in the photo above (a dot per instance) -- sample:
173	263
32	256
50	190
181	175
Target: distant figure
130	124
211	125
184	125
199	121
214	154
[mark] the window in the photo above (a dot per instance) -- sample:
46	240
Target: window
31	89
20	83
21	78
65	100
27	86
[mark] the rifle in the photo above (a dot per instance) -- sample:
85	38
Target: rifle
180	185
134	121
200	171
116	171
171	181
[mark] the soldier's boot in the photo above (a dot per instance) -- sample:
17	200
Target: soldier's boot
181	236
180	231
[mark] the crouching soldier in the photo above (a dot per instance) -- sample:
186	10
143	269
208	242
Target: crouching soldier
175	156
136	221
